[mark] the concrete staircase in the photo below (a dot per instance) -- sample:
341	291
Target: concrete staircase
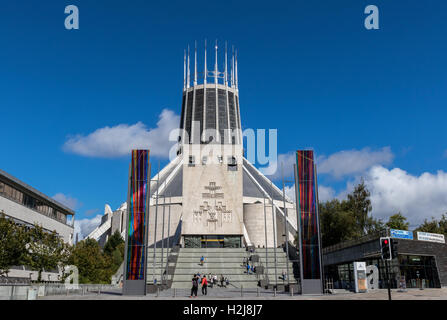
229	263
267	260
163	269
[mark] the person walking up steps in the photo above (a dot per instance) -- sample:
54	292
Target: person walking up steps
204	286
195	286
222	279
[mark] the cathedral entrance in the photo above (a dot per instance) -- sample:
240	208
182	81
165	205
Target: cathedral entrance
212	241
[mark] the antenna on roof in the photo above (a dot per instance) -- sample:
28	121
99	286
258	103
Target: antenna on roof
215	67
205	70
195	64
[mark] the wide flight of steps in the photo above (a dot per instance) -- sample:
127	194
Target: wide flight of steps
229	263
163	269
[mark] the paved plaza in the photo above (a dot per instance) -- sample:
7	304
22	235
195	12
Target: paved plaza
235	294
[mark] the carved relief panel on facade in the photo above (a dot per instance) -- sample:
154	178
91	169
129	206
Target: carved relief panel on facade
214	213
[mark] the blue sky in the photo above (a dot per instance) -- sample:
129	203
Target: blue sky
371	103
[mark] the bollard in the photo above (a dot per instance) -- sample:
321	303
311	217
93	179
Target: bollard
12	292
242	292
174	293
83	290
99	290
274	292
158	292
291	291
257	291
67	292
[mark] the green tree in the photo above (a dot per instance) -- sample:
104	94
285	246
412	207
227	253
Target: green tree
336	222
348	219
398	221
113	242
93	265
45	250
13	240
114	250
360	206
434	226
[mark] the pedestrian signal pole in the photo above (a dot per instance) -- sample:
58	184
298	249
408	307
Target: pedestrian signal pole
385	248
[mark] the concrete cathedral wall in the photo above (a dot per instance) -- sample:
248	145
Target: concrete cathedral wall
207	211
174	226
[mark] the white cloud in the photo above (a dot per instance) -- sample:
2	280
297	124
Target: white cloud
68	201
325	193
290	192
417	197
285	159
350	162
110	142
83	227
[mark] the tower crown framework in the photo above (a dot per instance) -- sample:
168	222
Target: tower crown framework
210	105
227	77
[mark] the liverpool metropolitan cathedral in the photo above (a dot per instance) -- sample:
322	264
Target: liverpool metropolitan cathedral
213	196
210	200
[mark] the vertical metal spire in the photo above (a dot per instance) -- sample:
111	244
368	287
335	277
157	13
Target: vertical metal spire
184	69
205	70
235	71
189	74
226	67
232	69
215	67
195	64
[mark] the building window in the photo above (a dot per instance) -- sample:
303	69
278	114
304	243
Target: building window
232	164
191	162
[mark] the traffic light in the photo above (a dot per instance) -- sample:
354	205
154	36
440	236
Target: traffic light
385	248
394	251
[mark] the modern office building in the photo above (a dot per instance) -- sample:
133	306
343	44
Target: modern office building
421	263
28	206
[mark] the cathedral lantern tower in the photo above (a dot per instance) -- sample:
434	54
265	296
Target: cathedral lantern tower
214	197
211	147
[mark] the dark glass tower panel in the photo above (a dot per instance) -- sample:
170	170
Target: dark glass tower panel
223	114
210	112
198	110
182	118
238	120
232	110
189	115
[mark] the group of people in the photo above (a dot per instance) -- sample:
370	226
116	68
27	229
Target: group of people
250	268
204	281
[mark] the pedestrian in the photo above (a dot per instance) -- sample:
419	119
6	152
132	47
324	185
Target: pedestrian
227	281
204	286
222	279
202	259
215	279
248	268
283	275
195	286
